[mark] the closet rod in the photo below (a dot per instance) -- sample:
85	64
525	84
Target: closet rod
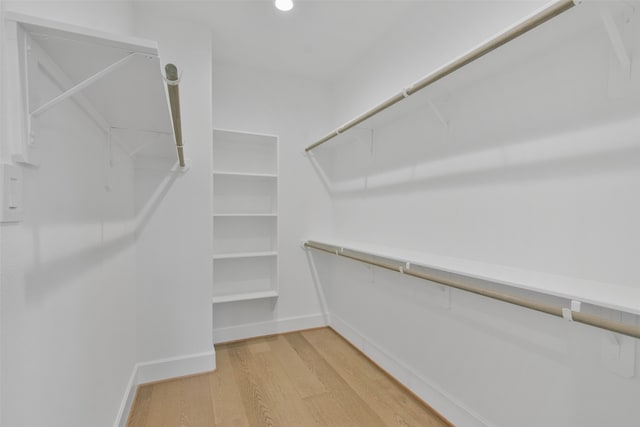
407	268
174	102
512	33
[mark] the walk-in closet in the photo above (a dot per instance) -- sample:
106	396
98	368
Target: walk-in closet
302	213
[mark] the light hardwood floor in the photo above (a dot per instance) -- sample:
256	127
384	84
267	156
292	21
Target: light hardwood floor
307	378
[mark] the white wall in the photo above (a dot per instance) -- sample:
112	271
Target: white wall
537	172
2	151
115	16
174	238
434	34
293	109
68	274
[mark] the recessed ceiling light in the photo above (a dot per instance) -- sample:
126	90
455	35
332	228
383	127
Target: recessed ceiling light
284	5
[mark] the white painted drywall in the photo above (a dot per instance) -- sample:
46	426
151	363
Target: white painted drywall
294	109
68	277
537	172
2	153
2	90
174	237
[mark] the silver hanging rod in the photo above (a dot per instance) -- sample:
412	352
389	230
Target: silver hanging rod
408	269
512	33
172	80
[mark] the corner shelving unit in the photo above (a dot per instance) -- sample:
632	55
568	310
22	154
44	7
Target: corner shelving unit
245	216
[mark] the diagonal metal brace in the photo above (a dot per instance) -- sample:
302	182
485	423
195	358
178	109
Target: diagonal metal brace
80	86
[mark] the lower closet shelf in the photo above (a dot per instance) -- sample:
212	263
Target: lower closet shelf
244	297
246	255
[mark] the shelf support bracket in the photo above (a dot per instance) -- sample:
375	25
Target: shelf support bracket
443	119
80	86
617	42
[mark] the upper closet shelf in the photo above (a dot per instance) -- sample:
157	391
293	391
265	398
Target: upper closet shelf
116	81
547	13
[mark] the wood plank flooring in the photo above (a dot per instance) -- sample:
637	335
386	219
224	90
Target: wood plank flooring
307	378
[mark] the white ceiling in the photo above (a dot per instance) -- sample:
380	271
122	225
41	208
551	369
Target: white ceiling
317	39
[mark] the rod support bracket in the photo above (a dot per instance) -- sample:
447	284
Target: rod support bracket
176	168
619	44
567	313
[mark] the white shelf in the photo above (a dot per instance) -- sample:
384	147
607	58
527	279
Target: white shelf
245	234
244	215
472	66
233	276
245	174
609	295
245	297
245	255
245	225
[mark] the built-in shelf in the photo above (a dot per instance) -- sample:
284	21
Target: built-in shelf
248	275
245	255
245	174
245	222
245	215
244	297
510	34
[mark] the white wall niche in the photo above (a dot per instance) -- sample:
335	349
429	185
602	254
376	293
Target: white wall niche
243	234
243	277
241	152
245	194
245	218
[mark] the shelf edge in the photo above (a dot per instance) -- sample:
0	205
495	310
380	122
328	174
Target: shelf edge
244	297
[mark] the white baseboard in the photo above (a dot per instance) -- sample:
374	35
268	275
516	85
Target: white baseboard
271	327
162	369
427	390
127	400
